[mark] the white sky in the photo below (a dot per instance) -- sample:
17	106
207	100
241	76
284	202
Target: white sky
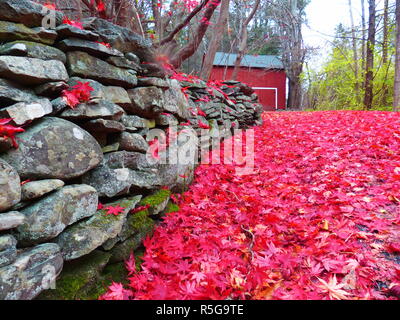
323	16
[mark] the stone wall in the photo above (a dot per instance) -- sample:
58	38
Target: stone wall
71	159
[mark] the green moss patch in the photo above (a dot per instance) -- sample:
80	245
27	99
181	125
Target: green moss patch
78	278
156	201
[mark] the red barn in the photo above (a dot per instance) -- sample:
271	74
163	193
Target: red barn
265	74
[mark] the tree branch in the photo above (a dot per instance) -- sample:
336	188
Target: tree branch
184	23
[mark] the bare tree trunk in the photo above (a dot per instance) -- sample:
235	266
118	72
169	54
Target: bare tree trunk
355	52
369	75
294	96
364	33
385	49
218	32
396	102
243	40
187	51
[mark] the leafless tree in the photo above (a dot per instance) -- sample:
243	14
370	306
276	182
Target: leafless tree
218	32
288	16
243	40
369	67
355	49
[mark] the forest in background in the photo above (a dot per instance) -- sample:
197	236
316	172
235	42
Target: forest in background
359	72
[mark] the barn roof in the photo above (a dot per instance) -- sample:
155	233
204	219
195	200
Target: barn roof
260	61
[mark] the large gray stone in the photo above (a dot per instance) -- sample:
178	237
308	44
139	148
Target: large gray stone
32	50
47	218
83	65
100	109
34	270
132	142
146	101
84	237
10	188
32	71
24	112
54	149
29	13
10	31
120	38
36	189
93	48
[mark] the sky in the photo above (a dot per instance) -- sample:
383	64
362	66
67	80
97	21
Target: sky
323	16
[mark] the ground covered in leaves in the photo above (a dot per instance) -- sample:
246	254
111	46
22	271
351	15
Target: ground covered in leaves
318	219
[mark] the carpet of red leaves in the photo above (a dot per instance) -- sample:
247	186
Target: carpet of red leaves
319	218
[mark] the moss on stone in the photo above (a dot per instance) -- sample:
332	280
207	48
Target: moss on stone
156	198
115	272
156	201
171	207
122	251
78	277
140	221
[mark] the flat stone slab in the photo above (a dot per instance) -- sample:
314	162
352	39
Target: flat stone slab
102	109
32	50
51	89
10	220
36	189
83	65
84	237
32	71
93	48
11	93
10	31
27	12
68	31
24	112
102	125
47	218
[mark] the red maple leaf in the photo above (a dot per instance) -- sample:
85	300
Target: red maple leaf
201	112
73	23
77	94
9	131
70	98
114	210
140	208
130	264
104	44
